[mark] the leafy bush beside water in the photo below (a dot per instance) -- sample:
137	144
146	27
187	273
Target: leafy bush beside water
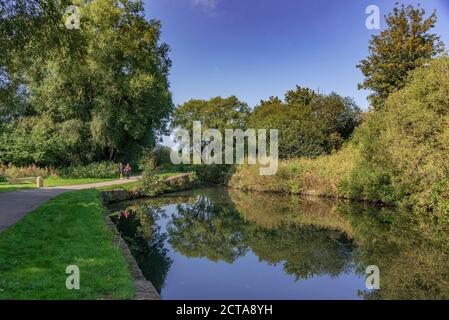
398	155
404	147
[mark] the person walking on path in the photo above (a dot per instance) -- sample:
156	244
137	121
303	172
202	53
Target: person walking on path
121	170
128	170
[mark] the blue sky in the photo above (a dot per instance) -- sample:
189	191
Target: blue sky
259	48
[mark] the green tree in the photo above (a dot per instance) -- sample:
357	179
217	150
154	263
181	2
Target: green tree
405	45
216	113
109	78
309	123
29	31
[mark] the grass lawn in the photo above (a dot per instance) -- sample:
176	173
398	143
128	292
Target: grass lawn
7	187
68	230
50	182
125	186
59	182
135	184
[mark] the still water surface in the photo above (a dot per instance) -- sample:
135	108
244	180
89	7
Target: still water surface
217	243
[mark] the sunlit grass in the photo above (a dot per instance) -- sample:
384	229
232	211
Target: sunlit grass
49	182
319	176
8	187
58	182
68	230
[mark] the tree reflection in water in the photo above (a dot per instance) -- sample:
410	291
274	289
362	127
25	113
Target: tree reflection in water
308	237
207	230
146	242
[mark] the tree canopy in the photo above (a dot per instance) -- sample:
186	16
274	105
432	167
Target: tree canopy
80	95
216	113
309	123
404	45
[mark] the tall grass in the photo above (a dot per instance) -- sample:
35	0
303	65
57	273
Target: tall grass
321	176
26	172
101	170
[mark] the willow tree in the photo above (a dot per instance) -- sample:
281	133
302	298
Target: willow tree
95	92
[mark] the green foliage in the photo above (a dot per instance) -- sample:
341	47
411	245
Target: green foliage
397	156
309	124
154	183
405	45
98	93
41	141
8	187
216	113
27	172
92	170
365	184
216	174
320	176
159	158
404	146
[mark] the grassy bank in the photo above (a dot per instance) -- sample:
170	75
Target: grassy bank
321	176
50	182
68	230
8	187
60	182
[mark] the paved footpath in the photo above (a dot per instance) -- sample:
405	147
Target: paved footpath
15	205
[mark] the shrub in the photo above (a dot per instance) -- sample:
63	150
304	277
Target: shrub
26	172
92	170
155	184
217	174
159	157
404	147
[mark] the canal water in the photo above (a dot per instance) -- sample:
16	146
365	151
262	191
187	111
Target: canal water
217	243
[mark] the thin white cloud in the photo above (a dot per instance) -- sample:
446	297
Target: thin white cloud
208	4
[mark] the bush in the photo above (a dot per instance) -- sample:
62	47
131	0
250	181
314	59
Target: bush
27	172
93	170
162	155
159	157
404	147
155	184
217	174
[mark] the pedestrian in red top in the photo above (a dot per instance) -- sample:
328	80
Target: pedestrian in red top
128	170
